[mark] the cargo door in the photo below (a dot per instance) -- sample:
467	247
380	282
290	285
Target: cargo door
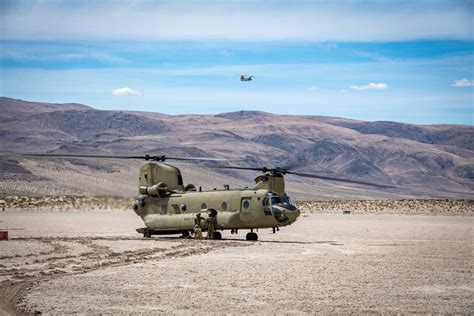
246	214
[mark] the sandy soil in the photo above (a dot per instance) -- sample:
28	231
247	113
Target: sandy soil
94	262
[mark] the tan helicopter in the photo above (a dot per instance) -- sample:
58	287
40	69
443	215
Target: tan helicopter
167	206
246	78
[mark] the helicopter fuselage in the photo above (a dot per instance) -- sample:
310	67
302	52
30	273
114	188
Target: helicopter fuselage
236	209
167	206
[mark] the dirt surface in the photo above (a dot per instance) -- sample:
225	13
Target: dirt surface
94	262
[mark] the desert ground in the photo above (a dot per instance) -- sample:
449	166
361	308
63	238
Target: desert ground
62	261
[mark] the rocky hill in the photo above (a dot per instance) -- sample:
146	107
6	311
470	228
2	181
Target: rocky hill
12	108
421	161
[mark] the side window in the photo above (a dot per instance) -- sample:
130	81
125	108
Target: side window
224	206
183	208
203	206
246	204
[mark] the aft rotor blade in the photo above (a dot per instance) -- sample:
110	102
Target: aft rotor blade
83	156
145	157
308	175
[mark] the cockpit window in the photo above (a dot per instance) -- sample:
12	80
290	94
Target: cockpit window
279	215
287	203
276	200
284	200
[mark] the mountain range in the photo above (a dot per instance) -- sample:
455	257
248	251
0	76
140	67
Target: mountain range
421	161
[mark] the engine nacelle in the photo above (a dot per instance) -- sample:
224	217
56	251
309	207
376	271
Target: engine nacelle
190	188
157	190
153	173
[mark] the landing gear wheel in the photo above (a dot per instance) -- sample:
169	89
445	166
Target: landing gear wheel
252	236
185	234
216	236
147	233
248	236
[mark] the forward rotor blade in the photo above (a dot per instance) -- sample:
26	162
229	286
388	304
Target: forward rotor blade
308	175
244	168
197	158
145	157
294	165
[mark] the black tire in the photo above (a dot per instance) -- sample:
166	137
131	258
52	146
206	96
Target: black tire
216	236
147	233
251	236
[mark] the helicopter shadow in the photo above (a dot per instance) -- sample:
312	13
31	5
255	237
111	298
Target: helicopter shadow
270	241
329	242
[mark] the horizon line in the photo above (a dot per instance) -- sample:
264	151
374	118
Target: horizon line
237	111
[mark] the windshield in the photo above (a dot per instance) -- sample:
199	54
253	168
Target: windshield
276	200
284	201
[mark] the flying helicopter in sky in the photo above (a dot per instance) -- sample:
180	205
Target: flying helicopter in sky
168	206
246	78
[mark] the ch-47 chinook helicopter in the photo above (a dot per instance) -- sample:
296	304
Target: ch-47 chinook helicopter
246	78
167	206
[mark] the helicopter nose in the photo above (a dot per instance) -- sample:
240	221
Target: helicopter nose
292	215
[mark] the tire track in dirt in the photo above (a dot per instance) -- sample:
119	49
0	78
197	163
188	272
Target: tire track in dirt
52	266
55	248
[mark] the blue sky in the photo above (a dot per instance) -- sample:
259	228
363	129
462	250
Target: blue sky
408	61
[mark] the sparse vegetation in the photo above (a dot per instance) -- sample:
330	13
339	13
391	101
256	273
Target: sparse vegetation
408	207
420	160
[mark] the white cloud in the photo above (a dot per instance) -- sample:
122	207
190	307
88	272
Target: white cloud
463	83
313	88
238	20
370	86
419	106
125	91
